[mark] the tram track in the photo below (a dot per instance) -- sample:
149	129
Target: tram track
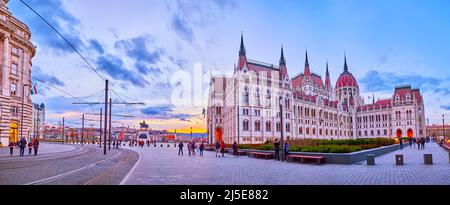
31	162
66	174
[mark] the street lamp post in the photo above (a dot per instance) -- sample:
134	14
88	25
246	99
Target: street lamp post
21	121
281	125
443	127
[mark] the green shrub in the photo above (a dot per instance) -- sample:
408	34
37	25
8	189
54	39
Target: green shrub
265	147
331	148
245	146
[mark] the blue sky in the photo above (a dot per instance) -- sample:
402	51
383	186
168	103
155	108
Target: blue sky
139	44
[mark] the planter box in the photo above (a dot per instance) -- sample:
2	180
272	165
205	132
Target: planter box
343	158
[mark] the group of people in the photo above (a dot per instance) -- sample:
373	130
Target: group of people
22	144
285	150
220	148
191	146
420	141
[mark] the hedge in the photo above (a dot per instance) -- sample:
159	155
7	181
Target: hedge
327	146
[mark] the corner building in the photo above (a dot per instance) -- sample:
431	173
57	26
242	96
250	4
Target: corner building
16	52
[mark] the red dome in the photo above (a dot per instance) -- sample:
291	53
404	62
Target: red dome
346	79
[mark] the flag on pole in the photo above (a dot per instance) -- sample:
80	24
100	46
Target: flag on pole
33	90
204	112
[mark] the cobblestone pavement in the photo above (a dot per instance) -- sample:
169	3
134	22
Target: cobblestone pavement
77	165
162	165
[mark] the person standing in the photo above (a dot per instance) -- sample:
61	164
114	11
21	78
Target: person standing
217	148
423	142
222	148
285	151
410	142
401	142
202	147
30	147
276	148
235	149
193	147
11	148
189	148
180	148
35	145
22	145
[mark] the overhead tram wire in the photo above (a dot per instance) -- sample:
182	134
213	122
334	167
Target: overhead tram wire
46	83
79	54
84	59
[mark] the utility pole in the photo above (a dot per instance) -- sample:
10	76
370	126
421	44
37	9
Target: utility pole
281	125
82	129
63	134
100	138
106	117
110	127
21	120
443	127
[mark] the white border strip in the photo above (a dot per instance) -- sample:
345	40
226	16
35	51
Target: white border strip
125	179
73	171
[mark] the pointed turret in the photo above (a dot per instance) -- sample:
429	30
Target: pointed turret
327	78
283	69
242	48
306	72
345	63
282	60
242	54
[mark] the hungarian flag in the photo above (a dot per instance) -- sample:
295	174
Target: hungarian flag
33	90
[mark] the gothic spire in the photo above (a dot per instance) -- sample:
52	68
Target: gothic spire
282	60
242	49
326	72
345	63
306	59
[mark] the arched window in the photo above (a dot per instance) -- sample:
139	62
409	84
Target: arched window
245	125
257	126
268	126
246	98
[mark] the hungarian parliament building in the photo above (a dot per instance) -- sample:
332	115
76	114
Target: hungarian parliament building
261	102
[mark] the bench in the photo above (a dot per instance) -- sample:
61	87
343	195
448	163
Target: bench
446	146
302	158
266	155
239	152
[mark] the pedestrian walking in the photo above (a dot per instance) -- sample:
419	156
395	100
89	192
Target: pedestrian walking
189	146
414	142
222	148
285	151
22	145
35	146
180	148
11	147
401	142
410	142
235	149
30	147
202	147
193	148
423	142
276	148
217	148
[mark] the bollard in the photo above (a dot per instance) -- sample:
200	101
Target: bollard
449	157
370	159
428	158
168	145
154	145
399	159
161	145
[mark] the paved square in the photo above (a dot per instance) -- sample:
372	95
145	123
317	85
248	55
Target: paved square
162	165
